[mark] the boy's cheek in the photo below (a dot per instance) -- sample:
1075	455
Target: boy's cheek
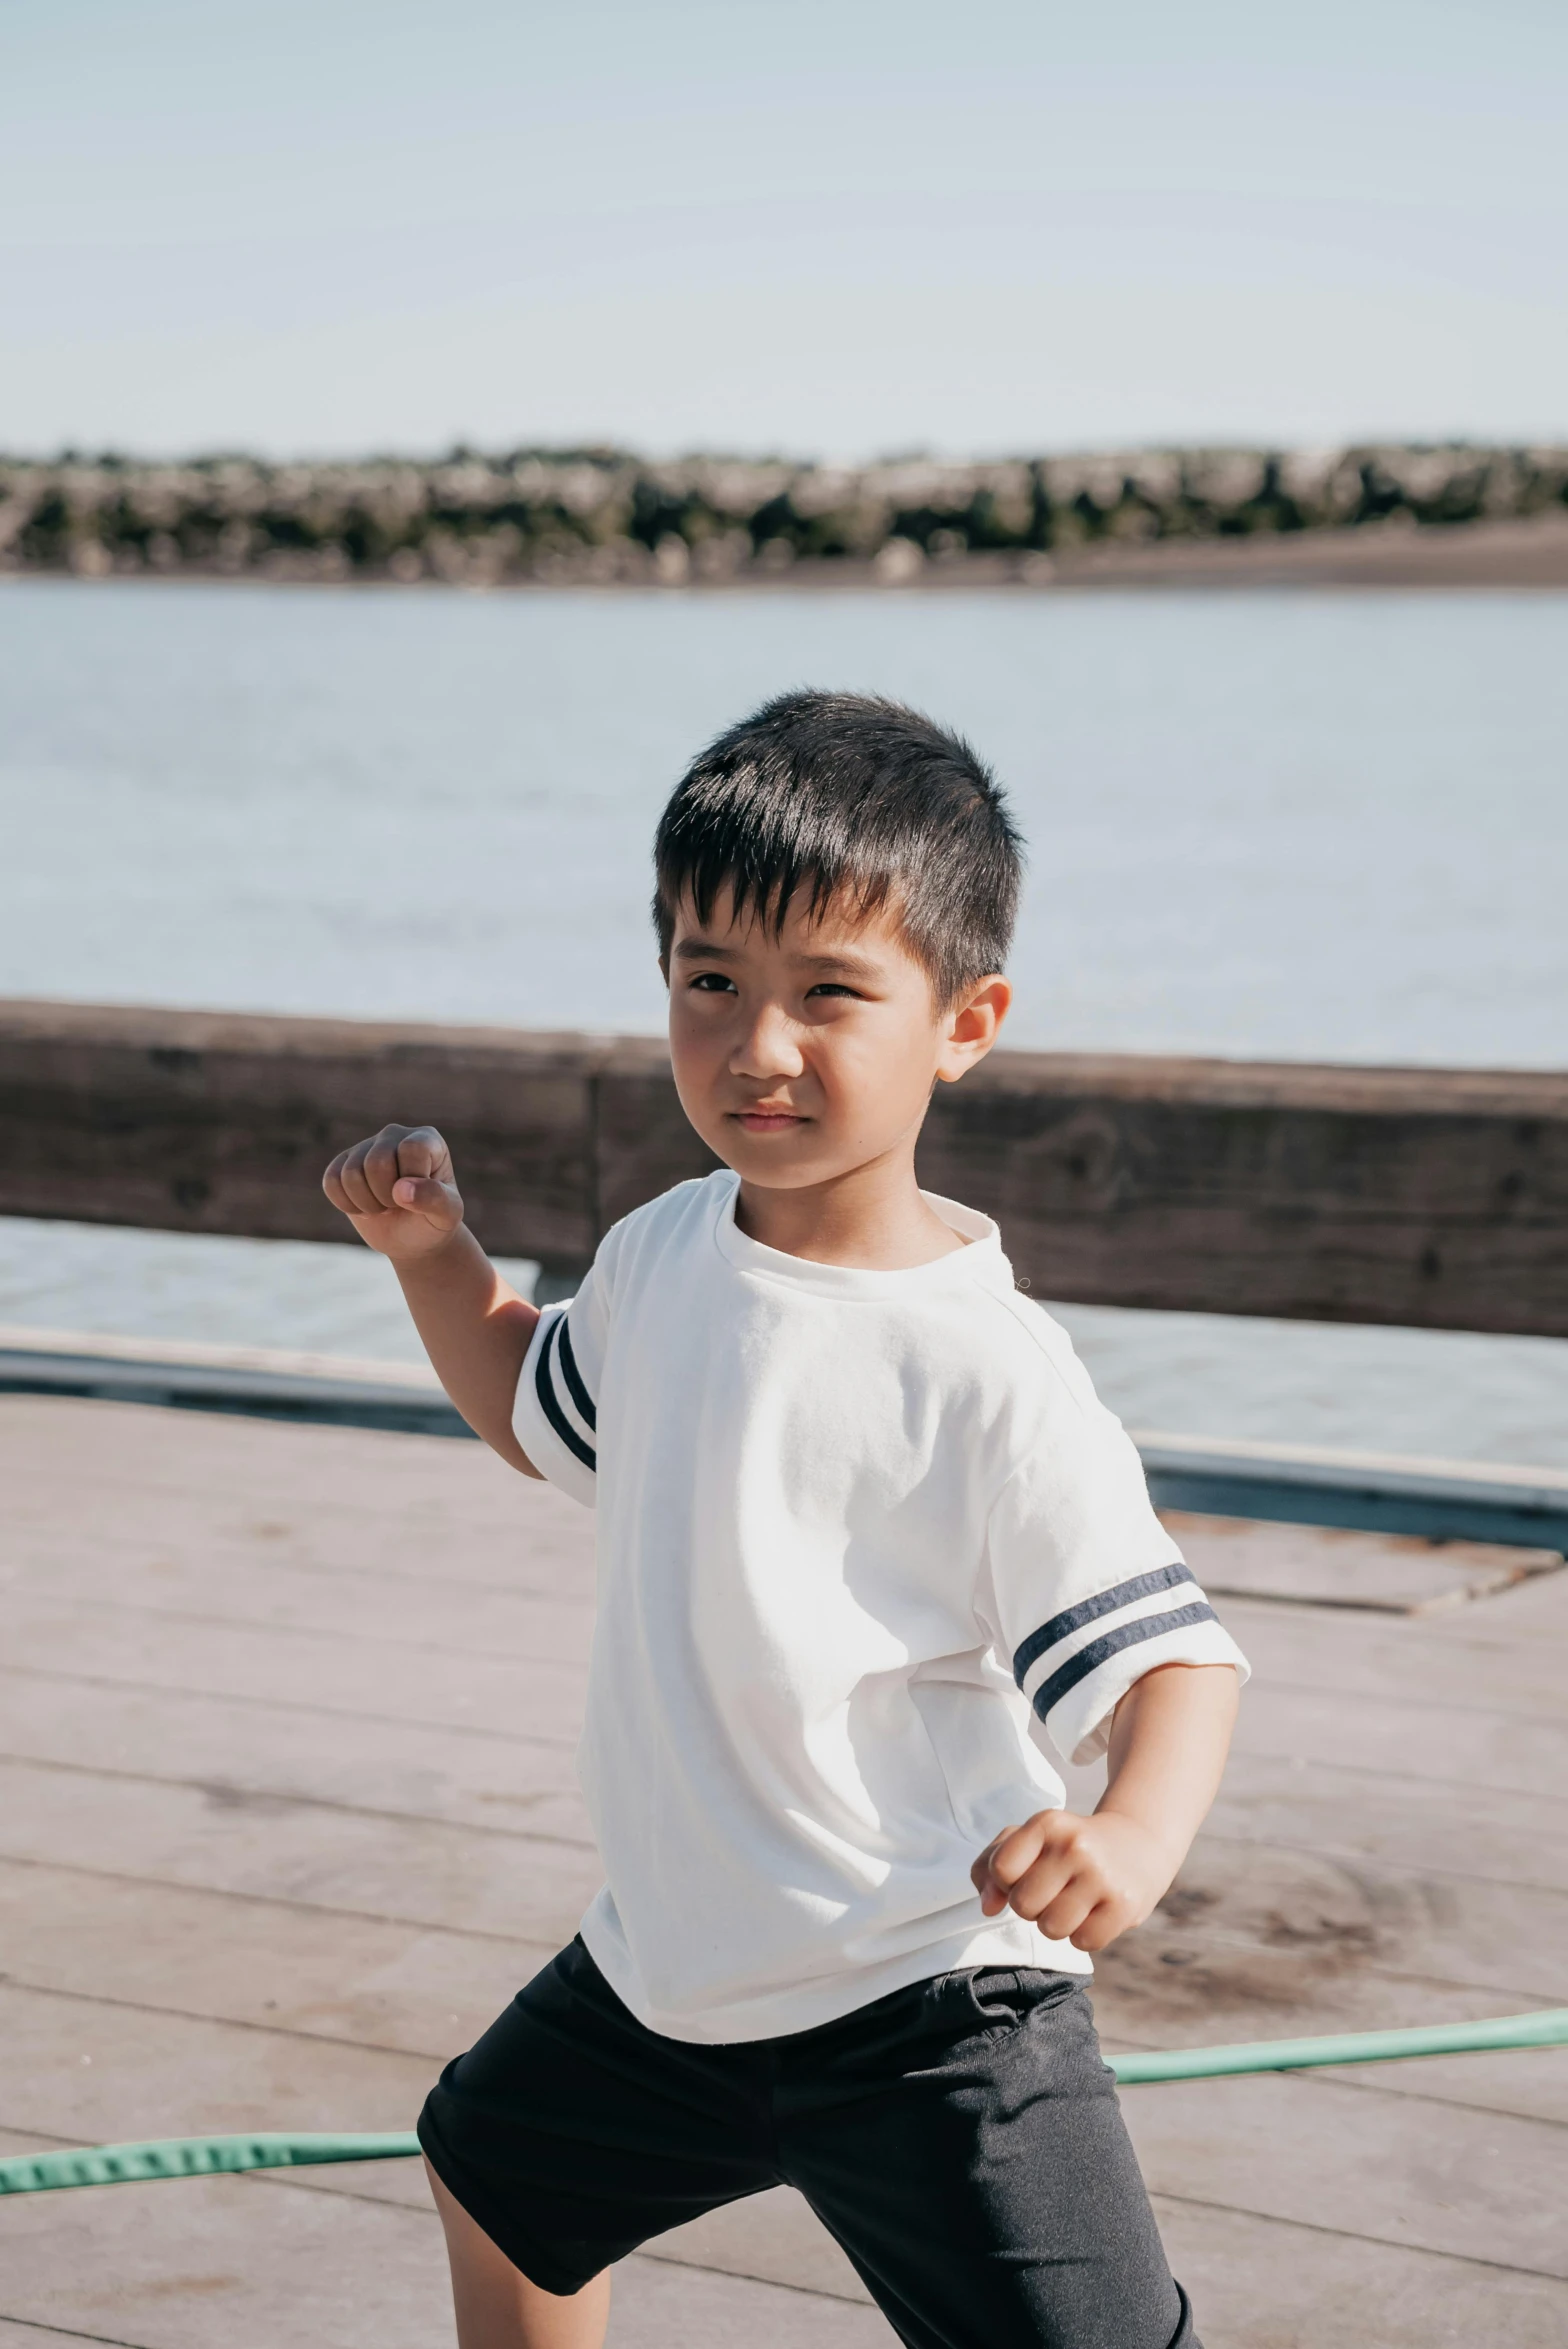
696	1070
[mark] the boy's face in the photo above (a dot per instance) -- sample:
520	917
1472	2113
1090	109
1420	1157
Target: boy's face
802	1057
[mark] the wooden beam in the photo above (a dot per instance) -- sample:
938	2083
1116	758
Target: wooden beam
1437	1198
1432	1197
218	1122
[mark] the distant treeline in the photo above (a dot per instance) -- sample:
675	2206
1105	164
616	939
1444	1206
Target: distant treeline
601	514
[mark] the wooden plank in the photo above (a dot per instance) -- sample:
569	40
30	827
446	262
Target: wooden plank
1439	1826
365	1679
395	1871
1275	1925
1493	1657
1437	1198
1395	1735
252	2262
1320	1566
225	2260
418	1991
775	2237
207	1122
1261	2283
292	1753
407	1610
17	2336
96	2072
1431	1197
147	1484
1491	2186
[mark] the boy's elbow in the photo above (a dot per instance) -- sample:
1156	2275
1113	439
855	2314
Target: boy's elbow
506	1447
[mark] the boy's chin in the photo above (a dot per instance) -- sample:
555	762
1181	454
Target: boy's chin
779	1162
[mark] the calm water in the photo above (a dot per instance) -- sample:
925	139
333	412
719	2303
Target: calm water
1270	825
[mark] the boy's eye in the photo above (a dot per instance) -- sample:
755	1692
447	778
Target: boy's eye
829	987
714	983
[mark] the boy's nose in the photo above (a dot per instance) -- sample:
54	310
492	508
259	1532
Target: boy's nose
769	1048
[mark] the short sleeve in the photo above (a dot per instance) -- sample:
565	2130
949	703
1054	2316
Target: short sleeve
556	1415
1090	1591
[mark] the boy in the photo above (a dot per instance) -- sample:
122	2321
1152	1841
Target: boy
869	1553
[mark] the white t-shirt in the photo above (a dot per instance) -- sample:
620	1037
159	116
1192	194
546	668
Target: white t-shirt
870	1550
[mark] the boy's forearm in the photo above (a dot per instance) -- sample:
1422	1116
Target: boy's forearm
1169	1740
476	1330
1087	1880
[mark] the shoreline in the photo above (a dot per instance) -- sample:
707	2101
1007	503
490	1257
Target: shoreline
1505	556
1373	516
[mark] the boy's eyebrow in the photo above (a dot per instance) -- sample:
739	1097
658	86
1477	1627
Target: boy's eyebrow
857	966
703	950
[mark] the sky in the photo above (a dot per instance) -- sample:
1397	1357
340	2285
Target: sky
835	228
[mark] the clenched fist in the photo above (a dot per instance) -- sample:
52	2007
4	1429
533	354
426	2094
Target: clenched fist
397	1191
1080	1880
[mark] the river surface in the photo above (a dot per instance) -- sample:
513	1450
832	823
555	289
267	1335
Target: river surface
1321	827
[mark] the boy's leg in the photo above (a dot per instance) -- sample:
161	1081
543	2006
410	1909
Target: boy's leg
497	2307
565	2138
963	2142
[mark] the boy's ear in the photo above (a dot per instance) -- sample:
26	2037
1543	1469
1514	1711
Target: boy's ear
972	1025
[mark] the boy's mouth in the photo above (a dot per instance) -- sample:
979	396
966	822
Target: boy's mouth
767	1121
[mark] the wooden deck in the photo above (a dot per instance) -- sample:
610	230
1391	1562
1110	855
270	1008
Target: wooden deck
287	1811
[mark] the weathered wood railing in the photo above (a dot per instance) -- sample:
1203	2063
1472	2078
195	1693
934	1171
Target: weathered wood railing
1437	1198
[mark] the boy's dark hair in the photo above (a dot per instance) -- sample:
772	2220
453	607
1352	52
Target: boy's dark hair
843	795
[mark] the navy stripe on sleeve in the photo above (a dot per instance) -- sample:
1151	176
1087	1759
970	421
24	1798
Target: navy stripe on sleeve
1105	1602
574	1385
1100	1651
545	1387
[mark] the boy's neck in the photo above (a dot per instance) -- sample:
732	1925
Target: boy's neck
871	1218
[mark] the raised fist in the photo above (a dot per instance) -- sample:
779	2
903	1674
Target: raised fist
397	1191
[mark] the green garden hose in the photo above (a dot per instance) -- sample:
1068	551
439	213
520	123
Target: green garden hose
1548	2029
196	2157
192	2157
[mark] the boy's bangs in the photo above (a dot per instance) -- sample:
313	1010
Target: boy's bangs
757	893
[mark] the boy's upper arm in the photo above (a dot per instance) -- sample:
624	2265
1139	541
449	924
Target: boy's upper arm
1090	1591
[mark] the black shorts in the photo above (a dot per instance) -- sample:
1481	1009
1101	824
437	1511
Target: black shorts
960	2139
